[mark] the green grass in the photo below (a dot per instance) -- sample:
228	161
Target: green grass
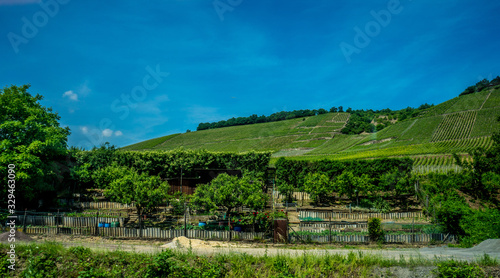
53	260
150	144
469	102
486	122
493	100
422	130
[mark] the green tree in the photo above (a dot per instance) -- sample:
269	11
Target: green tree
399	184
32	140
375	230
352	186
230	192
319	187
144	191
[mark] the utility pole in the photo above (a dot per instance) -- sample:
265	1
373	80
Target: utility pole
181	180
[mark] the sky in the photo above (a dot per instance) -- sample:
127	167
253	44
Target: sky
127	71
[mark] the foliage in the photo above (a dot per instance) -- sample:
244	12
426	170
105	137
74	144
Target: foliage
144	191
361	120
178	202
481	85
83	262
254	119
168	164
400	184
347	184
32	140
319	187
291	174
230	192
458	269
375	230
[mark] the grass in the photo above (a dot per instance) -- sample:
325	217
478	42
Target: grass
468	102
53	260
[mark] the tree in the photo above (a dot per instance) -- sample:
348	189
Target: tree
31	140
322	111
333	109
318	186
352	186
144	191
230	192
400	184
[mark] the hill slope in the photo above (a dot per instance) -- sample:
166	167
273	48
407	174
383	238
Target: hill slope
457	125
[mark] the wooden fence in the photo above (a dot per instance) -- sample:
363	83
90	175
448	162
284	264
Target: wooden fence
409	238
66	221
103	205
307	226
326	215
156	233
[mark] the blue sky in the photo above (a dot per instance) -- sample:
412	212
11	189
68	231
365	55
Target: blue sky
127	71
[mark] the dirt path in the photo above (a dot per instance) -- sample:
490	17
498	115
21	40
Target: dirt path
490	247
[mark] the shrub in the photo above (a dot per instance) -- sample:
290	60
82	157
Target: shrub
458	269
375	230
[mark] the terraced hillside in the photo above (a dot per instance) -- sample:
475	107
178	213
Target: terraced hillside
458	125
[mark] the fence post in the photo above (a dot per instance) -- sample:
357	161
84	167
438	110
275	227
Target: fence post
330	228
24	220
97	223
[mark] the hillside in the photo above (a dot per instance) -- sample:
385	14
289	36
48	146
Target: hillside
457	125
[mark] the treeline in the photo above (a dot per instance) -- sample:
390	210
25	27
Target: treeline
359	123
481	85
164	164
254	119
361	120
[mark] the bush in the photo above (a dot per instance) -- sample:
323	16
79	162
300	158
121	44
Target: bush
375	230
458	269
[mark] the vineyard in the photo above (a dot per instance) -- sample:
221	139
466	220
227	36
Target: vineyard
455	126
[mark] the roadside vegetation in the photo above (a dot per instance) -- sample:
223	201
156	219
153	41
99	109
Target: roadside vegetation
53	260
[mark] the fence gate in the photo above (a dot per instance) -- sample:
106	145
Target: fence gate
280	230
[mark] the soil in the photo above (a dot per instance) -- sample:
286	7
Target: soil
19	236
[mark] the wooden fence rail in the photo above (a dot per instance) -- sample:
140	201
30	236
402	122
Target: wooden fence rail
66	221
325	215
157	233
102	205
146	233
410	238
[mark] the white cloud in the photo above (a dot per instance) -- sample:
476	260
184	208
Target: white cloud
71	95
84	129
107	132
118	133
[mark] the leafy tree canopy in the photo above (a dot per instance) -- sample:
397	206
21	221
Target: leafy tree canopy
31	139
230	192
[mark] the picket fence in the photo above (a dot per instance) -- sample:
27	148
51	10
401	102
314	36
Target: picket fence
409	238
326	215
103	205
66	221
152	233
305	225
